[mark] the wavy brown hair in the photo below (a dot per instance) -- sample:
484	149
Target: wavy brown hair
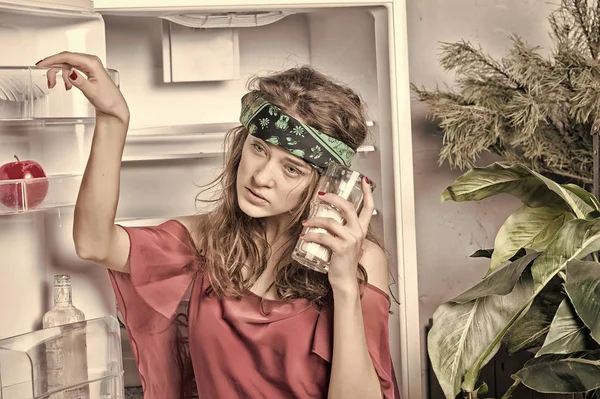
233	246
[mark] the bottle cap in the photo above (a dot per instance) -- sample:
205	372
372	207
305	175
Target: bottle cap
62	280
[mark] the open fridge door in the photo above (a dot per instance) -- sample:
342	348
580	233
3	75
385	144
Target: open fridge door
50	128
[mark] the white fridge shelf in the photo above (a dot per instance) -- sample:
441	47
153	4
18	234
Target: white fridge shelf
176	142
184	142
27	195
25	95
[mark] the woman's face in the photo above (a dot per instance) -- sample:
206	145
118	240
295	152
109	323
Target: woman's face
270	181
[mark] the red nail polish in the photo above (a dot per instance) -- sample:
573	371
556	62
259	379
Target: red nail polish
73	75
322	193
304	221
367	179
302	235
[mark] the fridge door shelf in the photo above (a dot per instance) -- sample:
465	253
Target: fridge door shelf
23	361
184	142
24	95
38	194
60	146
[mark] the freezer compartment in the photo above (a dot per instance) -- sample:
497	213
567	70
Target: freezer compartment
24	95
26	371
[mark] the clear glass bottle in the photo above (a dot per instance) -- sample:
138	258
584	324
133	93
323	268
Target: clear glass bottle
66	356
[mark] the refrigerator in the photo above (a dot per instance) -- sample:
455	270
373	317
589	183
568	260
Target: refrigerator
182	67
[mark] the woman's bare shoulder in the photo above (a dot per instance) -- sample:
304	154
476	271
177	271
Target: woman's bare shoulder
375	261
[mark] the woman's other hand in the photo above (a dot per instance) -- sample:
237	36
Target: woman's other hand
346	241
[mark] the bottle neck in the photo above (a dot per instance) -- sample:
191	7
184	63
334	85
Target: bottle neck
62	296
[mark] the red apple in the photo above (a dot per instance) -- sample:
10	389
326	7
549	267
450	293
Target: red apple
11	195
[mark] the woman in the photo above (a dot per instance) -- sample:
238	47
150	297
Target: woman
259	324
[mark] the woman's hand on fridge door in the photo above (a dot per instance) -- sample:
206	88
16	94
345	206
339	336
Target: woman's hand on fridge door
86	72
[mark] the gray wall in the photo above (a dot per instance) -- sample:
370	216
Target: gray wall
448	233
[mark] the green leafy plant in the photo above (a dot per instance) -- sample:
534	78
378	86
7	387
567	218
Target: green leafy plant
541	293
525	107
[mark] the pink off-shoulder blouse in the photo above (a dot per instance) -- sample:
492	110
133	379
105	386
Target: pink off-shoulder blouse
228	348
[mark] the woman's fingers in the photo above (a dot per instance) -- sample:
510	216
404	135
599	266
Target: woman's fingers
329	241
51	76
65	78
366	212
87	63
68	75
66	62
78	80
331	225
345	207
86	72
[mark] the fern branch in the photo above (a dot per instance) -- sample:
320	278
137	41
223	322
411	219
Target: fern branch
579	12
466	60
524	107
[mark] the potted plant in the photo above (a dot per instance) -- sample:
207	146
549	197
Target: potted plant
541	293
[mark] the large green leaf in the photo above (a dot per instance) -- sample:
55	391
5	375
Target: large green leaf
562	373
585	195
462	332
567	333
532	188
500	283
530	330
575	240
528	227
464	337
583	288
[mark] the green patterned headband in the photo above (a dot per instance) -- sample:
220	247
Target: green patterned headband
269	123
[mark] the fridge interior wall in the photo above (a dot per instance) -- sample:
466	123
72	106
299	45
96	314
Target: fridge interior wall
348	44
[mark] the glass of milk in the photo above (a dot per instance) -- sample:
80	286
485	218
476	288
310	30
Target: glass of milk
346	183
